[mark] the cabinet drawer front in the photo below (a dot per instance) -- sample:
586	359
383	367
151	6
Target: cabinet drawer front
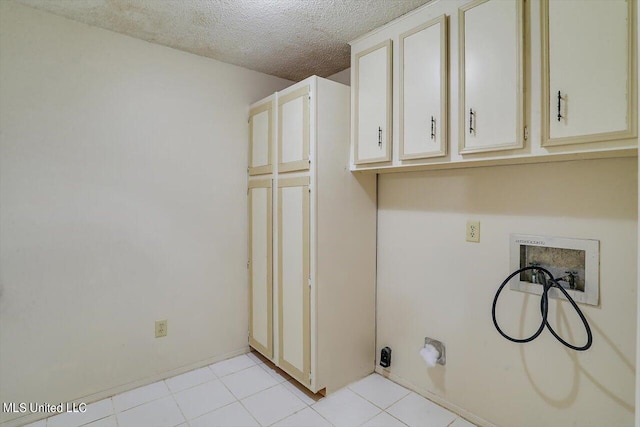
373	104
260	148
293	278
423	91
260	273
587	61
491	76
293	131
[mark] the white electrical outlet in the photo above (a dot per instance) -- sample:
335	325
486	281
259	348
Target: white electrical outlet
161	328
473	231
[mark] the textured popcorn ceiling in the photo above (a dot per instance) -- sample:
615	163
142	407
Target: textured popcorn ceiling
292	39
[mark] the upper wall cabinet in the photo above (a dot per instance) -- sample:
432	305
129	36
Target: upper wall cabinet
588	71
423	90
491	105
260	147
372	98
293	131
581	78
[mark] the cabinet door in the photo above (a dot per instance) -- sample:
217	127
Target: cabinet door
423	91
260	262
491	115
372	110
293	131
588	58
260	160
293	278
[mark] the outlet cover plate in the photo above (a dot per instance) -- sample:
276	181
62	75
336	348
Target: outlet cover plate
161	328
473	231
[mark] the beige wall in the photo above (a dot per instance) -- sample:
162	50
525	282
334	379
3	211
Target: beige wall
123	201
637	424
343	77
431	282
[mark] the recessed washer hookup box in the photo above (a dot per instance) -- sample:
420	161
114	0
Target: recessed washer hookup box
574	263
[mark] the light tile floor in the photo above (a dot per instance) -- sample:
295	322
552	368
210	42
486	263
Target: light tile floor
248	391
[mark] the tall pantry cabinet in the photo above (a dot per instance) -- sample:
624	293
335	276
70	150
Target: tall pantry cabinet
311	238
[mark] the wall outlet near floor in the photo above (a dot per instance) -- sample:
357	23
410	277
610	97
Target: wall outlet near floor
473	231
161	328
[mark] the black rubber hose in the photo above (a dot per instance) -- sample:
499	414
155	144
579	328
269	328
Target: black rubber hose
543	301
580	314
544	310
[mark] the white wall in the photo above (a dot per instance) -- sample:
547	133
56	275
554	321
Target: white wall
343	77
123	201
431	282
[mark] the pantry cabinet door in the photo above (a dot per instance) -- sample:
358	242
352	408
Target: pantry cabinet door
423	91
260	270
491	115
588	50
373	104
293	278
293	131
260	147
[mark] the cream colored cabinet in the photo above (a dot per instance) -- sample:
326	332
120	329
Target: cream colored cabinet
260	265
260	144
507	109
491	73
322	308
373	104
293	131
423	90
294	276
588	71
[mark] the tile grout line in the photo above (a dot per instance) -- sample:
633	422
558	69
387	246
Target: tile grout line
192	386
394	417
323	417
370	418
287	416
230	373
291	415
213	410
383	409
143	403
240	402
179	408
453	421
115	415
249	412
249	395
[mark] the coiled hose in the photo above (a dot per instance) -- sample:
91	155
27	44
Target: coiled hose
544	309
